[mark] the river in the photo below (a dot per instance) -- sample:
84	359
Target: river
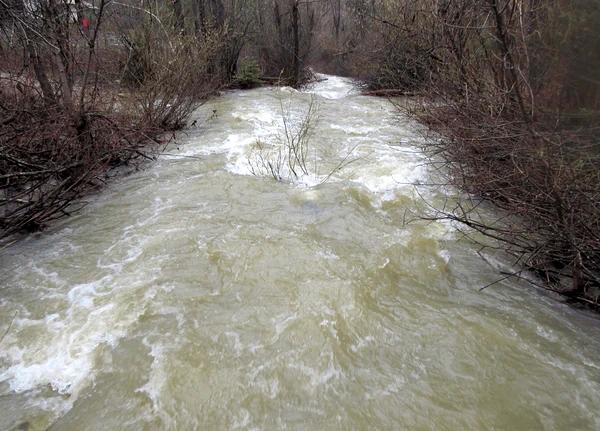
195	295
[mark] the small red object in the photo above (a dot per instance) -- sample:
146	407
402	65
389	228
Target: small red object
85	23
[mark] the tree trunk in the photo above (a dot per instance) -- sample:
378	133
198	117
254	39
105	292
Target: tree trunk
178	12
218	11
514	84
296	42
199	16
40	73
337	17
59	22
39	68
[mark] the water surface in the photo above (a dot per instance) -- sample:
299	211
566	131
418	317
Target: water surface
195	295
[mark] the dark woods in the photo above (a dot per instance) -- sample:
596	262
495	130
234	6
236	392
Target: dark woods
510	87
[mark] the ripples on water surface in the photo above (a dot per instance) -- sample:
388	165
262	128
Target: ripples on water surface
193	295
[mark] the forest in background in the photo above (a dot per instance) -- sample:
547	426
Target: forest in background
509	89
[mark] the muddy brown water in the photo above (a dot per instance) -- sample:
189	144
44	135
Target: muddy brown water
194	295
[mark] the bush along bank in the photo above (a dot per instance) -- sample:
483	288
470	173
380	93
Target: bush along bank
508	85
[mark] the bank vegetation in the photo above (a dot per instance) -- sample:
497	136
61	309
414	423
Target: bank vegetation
512	88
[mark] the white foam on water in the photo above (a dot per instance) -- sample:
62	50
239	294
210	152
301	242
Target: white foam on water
361	343
387	169
355	130
157	378
332	87
327	255
546	333
64	358
233	144
445	255
241	419
235	337
258	116
389	177
281	323
319	377
61	349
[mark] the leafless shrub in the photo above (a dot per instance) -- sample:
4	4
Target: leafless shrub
168	85
46	163
289	155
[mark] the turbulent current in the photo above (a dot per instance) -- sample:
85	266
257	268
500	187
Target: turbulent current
196	295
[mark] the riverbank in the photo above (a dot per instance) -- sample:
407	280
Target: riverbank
546	189
50	159
504	88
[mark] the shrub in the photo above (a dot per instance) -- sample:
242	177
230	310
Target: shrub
248	75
